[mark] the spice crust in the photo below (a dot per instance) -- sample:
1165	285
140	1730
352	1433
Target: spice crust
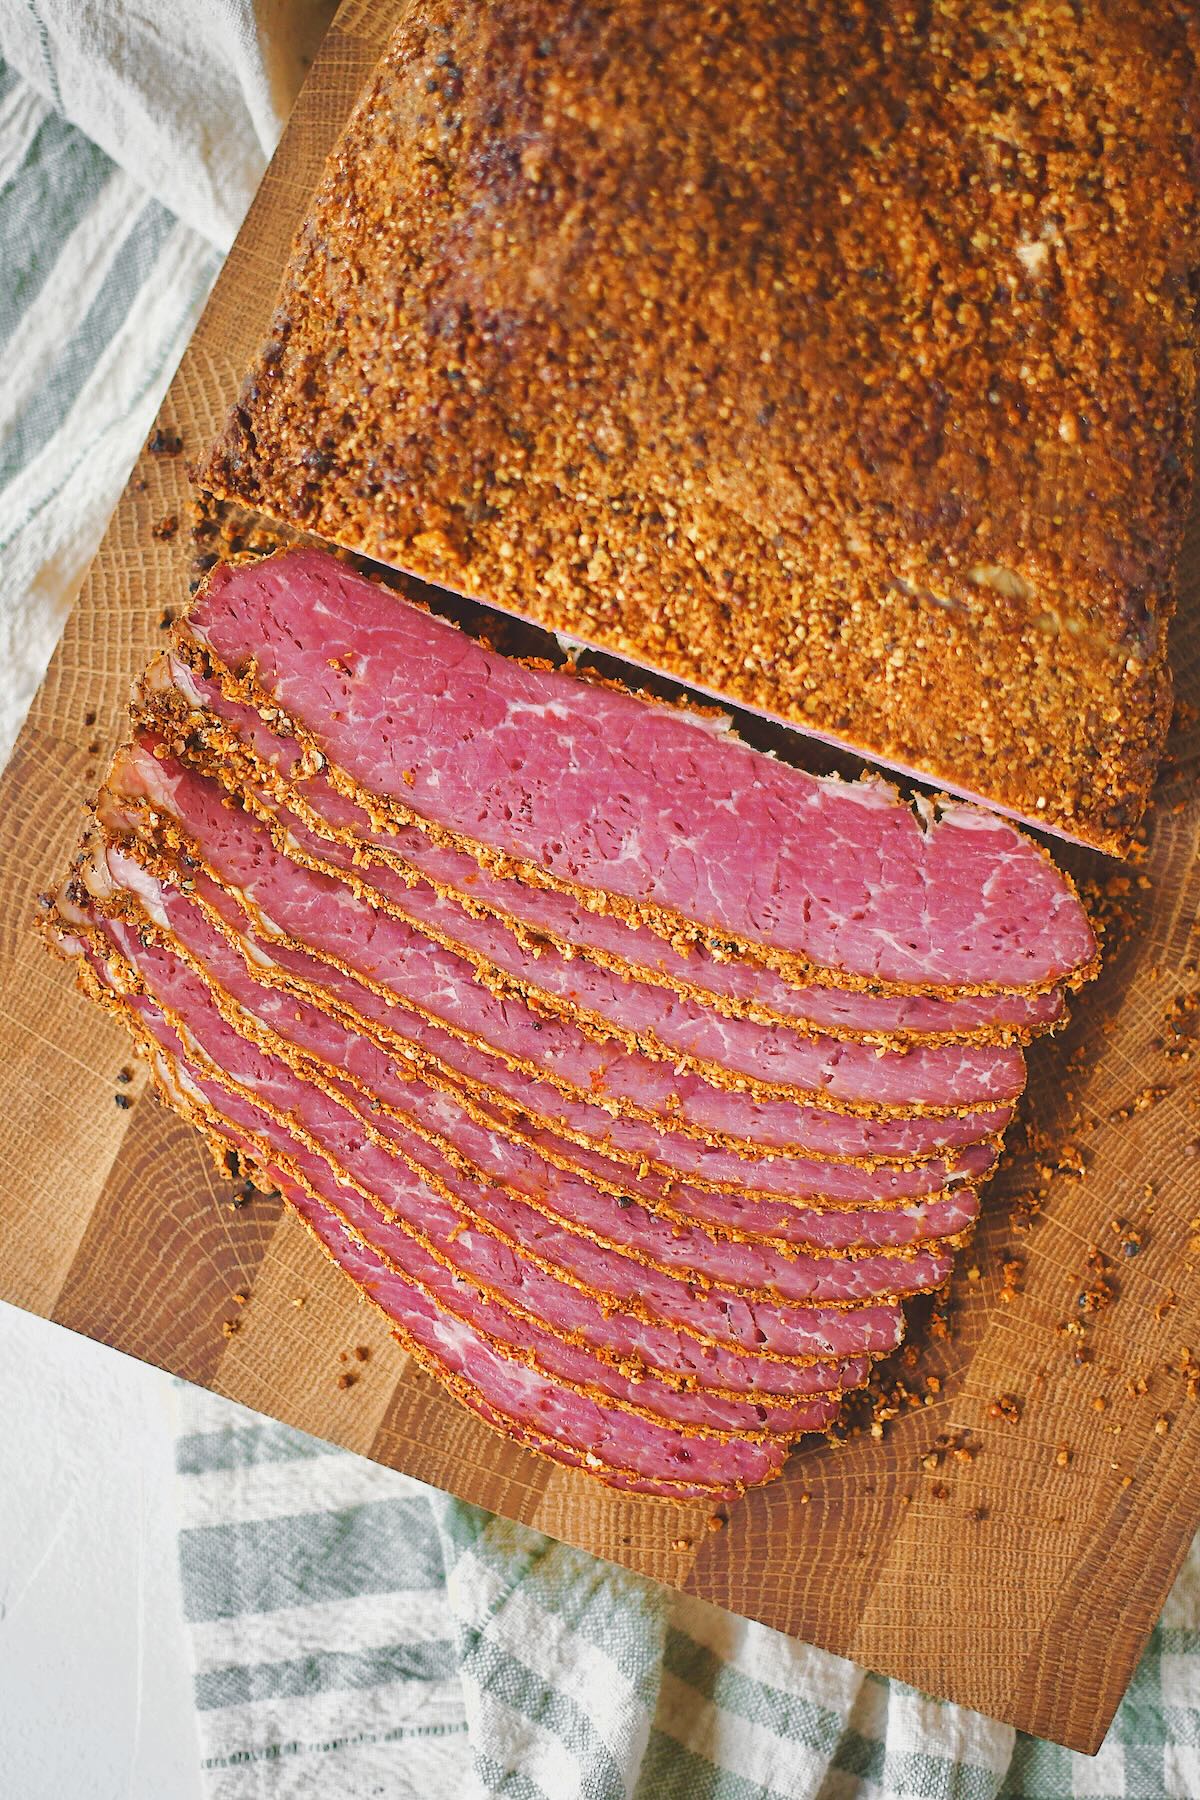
837	359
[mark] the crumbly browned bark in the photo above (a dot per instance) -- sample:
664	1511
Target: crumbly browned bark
836	358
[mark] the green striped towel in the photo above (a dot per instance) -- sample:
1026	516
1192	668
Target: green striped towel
358	1634
354	1633
99	286
132	137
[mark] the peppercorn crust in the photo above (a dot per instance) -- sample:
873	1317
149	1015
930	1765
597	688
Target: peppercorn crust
835	359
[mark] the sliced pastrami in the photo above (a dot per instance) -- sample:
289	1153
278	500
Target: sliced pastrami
768	1398
862	1209
525	1104
319	914
538	917
568	1426
617	1318
570	1411
491	1237
324	915
641	807
773	1061
324	1048
850	1208
580	1415
696	1409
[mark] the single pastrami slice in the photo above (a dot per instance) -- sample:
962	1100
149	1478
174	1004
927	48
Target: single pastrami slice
643	809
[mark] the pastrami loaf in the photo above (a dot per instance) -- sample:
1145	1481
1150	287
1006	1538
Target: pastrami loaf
835	359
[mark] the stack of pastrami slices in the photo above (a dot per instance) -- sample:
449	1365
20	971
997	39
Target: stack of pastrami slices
638	1077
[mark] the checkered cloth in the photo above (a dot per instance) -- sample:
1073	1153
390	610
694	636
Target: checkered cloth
356	1634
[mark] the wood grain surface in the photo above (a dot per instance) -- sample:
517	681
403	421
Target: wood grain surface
1023	1581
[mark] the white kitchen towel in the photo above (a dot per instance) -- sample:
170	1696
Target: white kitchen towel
314	1590
99	287
132	138
187	95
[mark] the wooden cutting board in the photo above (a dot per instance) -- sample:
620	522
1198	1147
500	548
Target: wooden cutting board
1021	1579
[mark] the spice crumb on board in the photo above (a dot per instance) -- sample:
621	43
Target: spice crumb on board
1013	1271
681	1543
1101	1290
949	1446
123	1101
1024	1209
165	442
1129	1239
1006	1406
346	1379
1141	1102
1064	1456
